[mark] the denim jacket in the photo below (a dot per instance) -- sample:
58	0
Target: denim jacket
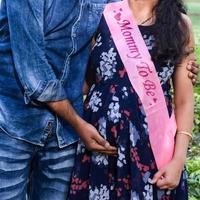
44	48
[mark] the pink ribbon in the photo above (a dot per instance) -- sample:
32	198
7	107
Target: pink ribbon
144	79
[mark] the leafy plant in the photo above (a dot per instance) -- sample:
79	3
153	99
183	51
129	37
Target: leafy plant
193	163
197	50
193	167
196	130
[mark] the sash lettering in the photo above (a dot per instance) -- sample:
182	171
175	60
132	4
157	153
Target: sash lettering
143	77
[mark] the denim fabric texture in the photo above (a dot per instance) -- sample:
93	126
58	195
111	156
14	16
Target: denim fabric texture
41	172
44	48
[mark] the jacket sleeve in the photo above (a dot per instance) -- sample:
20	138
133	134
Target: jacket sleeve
26	25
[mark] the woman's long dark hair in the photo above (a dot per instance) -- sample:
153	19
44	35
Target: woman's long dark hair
172	31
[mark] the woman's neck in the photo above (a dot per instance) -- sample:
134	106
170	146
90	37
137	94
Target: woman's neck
143	9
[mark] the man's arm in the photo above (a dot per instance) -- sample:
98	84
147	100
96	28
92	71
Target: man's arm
37	77
86	131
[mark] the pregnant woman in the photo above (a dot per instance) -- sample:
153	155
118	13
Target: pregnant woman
152	148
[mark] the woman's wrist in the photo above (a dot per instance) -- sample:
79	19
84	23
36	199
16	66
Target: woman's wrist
179	159
185	133
181	147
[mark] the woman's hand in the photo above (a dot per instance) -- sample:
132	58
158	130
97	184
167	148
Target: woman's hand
169	176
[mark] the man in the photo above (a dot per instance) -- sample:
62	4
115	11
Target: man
44	48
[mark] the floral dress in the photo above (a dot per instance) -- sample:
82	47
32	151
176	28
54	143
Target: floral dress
115	109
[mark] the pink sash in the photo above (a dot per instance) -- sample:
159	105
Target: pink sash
143	77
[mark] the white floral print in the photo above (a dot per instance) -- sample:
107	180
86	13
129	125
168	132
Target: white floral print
102	126
100	159
113	113
125	92
166	73
160	193
98	41
95	101
101	193
146	177
107	64
91	89
80	147
134	196
148	193
145	123
149	41
134	135
121	161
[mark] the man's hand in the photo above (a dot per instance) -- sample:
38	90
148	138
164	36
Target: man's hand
193	69
89	135
93	140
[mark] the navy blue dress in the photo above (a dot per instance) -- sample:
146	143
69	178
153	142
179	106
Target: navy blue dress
114	108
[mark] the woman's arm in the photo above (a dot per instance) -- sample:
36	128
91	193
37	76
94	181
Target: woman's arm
169	176
184	110
184	101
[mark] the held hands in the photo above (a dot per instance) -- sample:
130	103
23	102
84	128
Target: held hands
94	141
169	176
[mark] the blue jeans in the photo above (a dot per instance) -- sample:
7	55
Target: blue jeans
31	172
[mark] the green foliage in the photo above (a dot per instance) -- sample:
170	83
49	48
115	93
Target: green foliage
198	53
197	50
196	130
193	198
193	163
193	167
194	12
